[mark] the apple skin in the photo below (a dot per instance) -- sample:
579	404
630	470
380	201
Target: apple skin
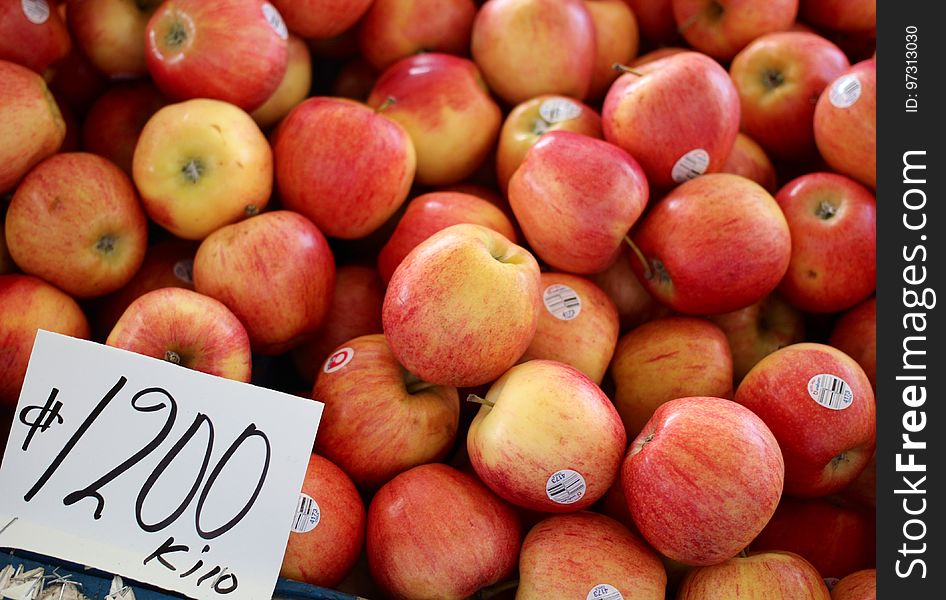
779	78
715	244
342	165
568	556
28	303
275	271
855	334
527	122
702	479
355	311
75	80
721	28
435	533
526	48
863	490
114	122
355	80
111	33
835	537
186	328
674	107
758	330
841	15
824	449
757	576
217	49
429	213
749	160
665	359
325	554
575	198
655	18
463	306
202	164
616	41
76	222
634	303
35	41
857	586
833	224
294	87
31	125
538	406
380	420
443	104
847	135
321	19
655	55
584	340
394	29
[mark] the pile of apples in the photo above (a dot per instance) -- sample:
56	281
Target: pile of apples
588	322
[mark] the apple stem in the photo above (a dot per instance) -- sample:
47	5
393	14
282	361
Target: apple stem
388	103
478	400
625	69
648	274
172	357
499	588
251	210
419	386
744	553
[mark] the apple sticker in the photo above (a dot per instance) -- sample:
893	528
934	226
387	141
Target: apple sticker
830	391
562	302
36	11
307	514
338	360
565	487
845	91
603	591
275	20
692	164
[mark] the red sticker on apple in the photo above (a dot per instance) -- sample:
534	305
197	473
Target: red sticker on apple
36	11
565	487
604	591
338	360
307	516
830	391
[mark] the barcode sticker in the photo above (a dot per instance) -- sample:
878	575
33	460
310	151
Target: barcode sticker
830	391
692	164
184	270
603	591
562	302
275	20
556	110
845	91
36	11
307	514
565	487
338	360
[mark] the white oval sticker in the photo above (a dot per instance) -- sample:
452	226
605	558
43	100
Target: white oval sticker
845	91
603	591
562	302
830	391
565	487
556	110
307	514
275	20
338	360
692	164
184	270
36	11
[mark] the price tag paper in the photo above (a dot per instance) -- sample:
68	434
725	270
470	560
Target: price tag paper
152	471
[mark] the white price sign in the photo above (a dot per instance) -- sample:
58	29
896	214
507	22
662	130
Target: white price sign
152	471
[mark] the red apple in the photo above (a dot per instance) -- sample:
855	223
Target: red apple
754	577
321	19
429	213
575	198
713	245
31	125
546	438
856	586
819	404
656	21
634	303
526	48
342	165
28	303
579	326
443	104
655	55
329	529
463	306
111	33
863	490
115	121
70	143
231	51
616	41
76	222
721	28
395	29
187	329
841	15
586	555
380	420
436	533
677	116
846	123
355	81
702	479
749	160
665	359
275	271
32	34
833	224
855	334
779	78
76	80
294	87
528	121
